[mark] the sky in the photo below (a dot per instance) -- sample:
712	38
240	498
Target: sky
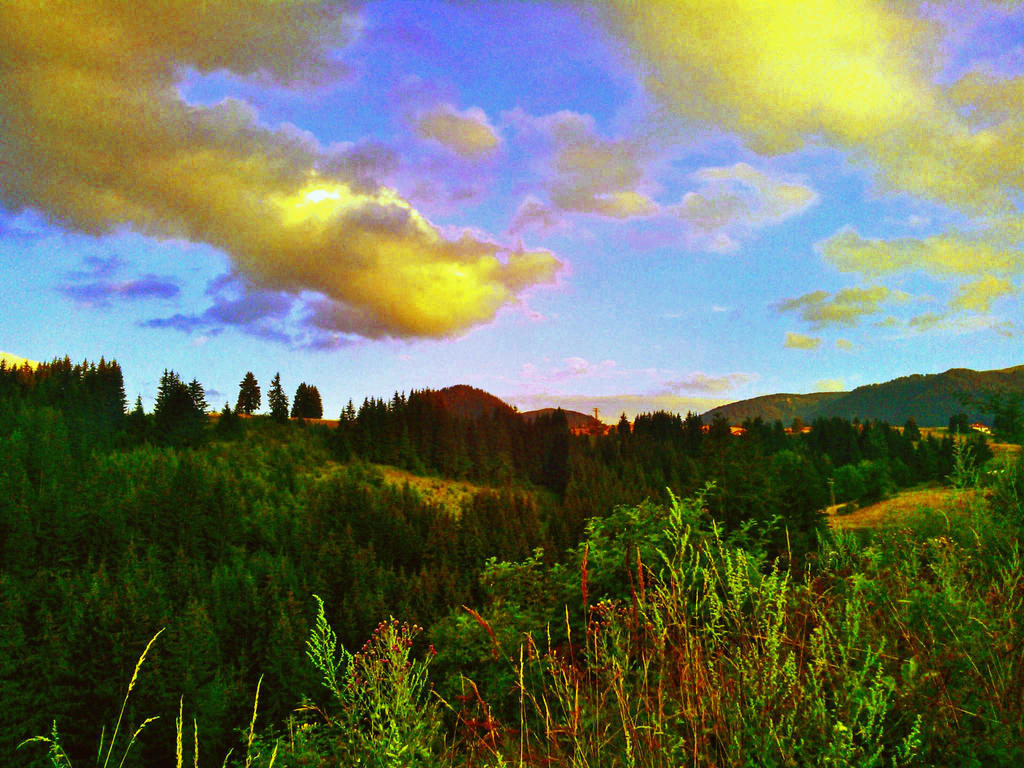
621	205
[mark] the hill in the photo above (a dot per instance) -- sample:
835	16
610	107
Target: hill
469	402
576	419
929	398
781	407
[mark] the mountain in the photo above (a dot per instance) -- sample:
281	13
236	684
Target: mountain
781	407
469	402
576	419
929	398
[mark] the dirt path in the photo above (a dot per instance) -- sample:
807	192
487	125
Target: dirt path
891	511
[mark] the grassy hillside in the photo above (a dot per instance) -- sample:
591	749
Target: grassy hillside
770	408
928	398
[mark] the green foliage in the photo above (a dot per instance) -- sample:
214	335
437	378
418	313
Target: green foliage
179	414
248	395
384	714
721	626
307	404
277	400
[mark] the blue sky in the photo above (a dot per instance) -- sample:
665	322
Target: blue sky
630	207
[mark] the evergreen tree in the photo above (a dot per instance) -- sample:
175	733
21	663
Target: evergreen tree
137	424
248	395
228	425
911	430
198	395
307	403
277	400
959	422
176	417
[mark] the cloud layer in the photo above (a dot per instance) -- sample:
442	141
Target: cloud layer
97	137
857	74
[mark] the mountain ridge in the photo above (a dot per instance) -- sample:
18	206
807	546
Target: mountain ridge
930	399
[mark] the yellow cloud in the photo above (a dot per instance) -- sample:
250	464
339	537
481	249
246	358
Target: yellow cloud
846	307
800	341
739	198
589	173
829	385
712	385
979	295
952	253
857	74
611	406
95	135
466	133
844	344
931	321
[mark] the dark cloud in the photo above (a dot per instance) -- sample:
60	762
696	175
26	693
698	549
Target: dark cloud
95	283
236	304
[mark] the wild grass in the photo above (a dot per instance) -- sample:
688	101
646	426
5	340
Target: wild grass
665	641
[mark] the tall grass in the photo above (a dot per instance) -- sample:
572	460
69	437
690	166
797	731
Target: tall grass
664	641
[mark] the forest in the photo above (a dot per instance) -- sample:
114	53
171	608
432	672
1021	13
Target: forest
666	593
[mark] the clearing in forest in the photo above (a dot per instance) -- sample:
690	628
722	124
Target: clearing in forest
941	500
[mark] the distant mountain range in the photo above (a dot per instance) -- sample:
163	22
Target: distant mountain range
929	398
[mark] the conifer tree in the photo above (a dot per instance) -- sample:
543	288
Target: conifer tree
136	423
248	395
176	416
228	425
277	400
307	403
198	395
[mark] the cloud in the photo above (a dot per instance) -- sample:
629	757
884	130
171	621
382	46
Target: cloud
993	250
737	199
712	385
800	341
610	406
465	133
845	307
570	368
844	344
585	172
829	385
945	323
96	136
237	304
535	215
853	74
95	284
100	292
979	295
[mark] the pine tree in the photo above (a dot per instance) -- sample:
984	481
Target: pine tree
198	395
137	424
228	425
307	403
248	395
277	400
176	416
